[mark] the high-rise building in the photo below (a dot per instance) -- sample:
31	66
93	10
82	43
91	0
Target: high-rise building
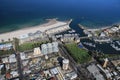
49	47
44	49
55	46
105	63
37	51
65	64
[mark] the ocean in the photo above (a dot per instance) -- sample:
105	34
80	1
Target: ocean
17	14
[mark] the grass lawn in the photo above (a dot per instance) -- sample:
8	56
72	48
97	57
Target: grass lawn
30	46
79	55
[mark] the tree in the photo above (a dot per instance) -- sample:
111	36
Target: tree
16	44
2	40
9	39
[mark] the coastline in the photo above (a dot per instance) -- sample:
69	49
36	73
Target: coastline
42	27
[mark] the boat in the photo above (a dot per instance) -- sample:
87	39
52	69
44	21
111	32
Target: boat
103	40
115	47
89	44
118	42
72	31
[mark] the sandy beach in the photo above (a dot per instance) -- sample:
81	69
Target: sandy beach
50	24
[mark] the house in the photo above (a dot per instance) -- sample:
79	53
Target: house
6	46
95	71
12	58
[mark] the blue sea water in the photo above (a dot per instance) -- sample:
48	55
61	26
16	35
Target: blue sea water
17	14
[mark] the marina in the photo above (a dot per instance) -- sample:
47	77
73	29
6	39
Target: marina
105	48
89	44
118	42
115	47
102	40
59	40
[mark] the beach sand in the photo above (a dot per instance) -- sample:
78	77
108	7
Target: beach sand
51	24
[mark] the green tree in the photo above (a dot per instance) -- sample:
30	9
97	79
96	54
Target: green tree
16	44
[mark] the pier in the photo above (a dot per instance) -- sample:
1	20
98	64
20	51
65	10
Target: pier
86	30
85	37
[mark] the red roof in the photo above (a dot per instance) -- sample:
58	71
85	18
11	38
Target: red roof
7	75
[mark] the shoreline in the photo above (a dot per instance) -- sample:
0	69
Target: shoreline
42	27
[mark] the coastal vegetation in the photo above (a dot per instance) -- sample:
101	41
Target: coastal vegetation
79	55
16	44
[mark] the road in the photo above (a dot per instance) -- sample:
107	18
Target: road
20	71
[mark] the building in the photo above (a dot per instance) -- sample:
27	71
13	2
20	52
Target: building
70	37
49	47
23	38
102	34
44	49
12	58
14	74
67	39
58	29
37	51
22	56
30	36
77	39
114	29
6	46
55	46
54	38
8	75
57	72
95	71
71	76
119	26
65	64
105	63
54	71
5	60
38	34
